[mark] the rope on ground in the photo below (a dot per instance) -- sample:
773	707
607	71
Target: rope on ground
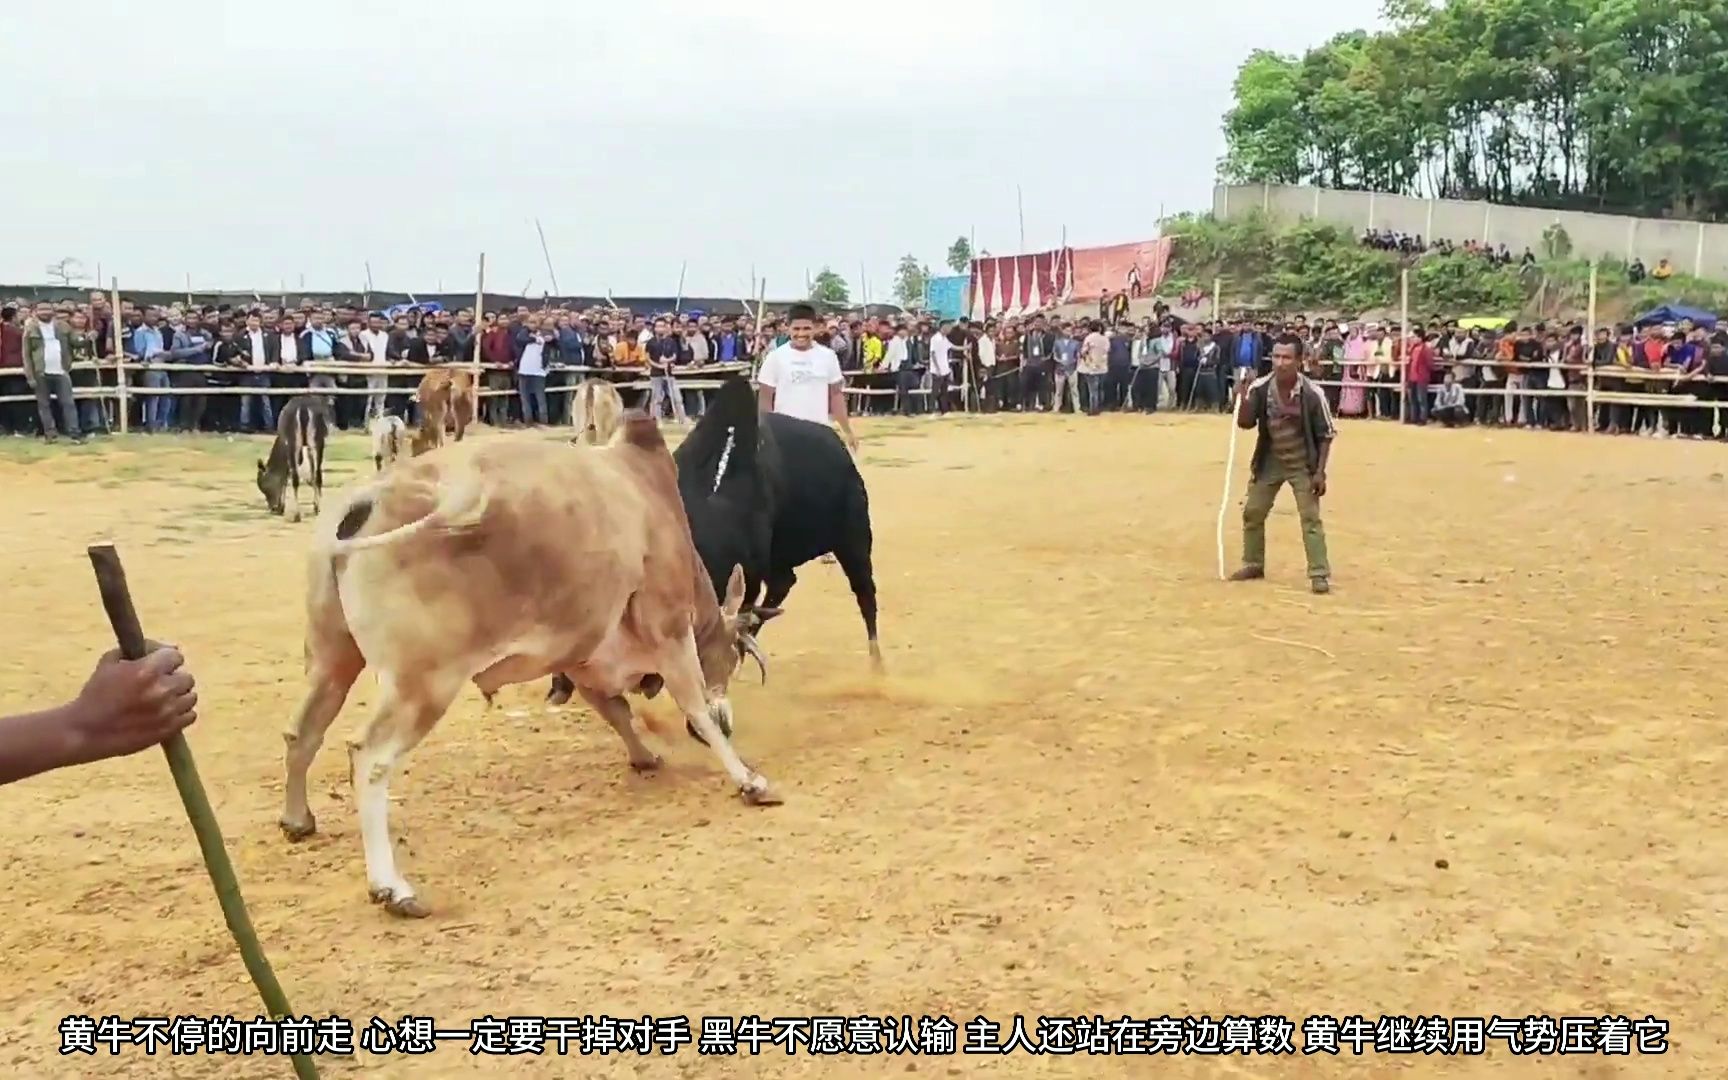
1294	644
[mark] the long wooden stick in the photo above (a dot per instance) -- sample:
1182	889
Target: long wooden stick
1404	347
1230	459
1590	372
117	601
119	352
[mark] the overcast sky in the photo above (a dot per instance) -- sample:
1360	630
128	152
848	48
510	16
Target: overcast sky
250	144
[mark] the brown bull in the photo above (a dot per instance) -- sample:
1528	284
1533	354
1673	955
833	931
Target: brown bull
505	561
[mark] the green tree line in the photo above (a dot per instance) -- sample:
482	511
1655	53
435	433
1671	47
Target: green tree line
1612	105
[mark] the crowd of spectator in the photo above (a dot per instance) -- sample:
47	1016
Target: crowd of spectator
1412	245
911	364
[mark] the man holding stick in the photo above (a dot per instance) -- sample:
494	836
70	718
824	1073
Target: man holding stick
127	706
1293	447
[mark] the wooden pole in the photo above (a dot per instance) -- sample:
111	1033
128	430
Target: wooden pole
479	310
188	290
544	250
117	601
119	352
1590	357
1020	206
1403	364
678	304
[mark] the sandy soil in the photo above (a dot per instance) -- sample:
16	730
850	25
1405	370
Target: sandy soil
1086	786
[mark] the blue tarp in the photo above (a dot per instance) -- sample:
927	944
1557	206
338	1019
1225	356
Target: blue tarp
945	297
1673	313
403	309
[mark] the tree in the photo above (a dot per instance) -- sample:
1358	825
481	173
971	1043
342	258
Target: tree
1607	105
960	255
65	273
910	281
829	288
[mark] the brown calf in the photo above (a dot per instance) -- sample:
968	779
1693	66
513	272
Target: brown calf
446	397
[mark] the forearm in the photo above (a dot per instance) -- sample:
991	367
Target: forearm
33	743
837	408
1325	456
1245	412
765	398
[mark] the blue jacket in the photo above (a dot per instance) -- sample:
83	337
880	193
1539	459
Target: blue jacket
146	341
191	347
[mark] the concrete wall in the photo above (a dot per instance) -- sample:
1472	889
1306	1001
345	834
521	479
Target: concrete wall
1690	246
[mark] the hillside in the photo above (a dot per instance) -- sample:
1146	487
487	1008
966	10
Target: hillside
1319	269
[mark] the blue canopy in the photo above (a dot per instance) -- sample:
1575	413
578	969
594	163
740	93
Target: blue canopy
1673	313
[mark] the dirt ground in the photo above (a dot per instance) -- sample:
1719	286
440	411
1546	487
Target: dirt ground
1089	784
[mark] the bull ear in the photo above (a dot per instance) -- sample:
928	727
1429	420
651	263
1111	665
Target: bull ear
734	593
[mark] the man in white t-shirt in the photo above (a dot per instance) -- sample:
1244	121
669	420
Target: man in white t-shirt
803	379
377	341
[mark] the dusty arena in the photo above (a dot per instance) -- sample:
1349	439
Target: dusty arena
1484	776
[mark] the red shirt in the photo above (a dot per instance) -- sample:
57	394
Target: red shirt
1421	369
495	346
11	346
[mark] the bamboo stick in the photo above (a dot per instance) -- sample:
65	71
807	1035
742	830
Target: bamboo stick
117	601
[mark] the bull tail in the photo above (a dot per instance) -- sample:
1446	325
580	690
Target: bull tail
461	504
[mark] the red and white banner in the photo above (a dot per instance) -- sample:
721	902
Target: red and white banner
1011	285
1019	284
1104	271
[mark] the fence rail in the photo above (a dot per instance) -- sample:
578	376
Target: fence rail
707	377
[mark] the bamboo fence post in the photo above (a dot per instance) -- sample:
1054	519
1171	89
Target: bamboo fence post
1403	364
479	312
119	353
117	601
1590	358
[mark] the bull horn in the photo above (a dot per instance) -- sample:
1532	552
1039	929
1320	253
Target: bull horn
754	652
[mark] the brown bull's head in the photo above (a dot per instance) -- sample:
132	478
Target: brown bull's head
723	648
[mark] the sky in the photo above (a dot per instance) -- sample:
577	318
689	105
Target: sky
275	146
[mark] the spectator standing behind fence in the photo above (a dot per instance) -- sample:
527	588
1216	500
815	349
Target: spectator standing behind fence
149	345
663	353
14	415
47	351
941	366
1094	366
92	412
191	345
257	351
496	350
531	347
1417	374
319	344
375	339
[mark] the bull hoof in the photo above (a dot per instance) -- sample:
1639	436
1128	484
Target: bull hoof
759	793
405	907
557	696
649	765
296	831
409	907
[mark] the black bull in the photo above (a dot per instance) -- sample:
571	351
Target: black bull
769	494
